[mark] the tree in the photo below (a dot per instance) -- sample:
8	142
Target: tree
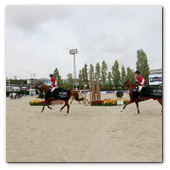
130	75
80	79
56	72
97	71
64	85
116	74
109	80
22	84
142	65
90	72
70	81
123	74
104	73
85	73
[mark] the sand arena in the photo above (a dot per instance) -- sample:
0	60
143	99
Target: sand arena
87	134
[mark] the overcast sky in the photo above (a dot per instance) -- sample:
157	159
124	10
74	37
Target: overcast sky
38	38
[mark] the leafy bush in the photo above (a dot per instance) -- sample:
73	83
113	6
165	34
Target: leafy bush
119	94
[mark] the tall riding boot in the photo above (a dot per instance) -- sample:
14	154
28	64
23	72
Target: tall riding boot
52	96
140	95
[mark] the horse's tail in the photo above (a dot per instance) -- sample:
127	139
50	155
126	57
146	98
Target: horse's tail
76	95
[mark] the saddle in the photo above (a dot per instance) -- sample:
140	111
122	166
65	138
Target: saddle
149	92
58	94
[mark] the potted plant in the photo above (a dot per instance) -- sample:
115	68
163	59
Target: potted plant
119	95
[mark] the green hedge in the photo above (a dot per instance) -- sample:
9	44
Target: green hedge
41	96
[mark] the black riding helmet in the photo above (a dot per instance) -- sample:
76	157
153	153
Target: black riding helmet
51	75
137	72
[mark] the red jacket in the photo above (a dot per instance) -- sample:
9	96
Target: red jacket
141	80
54	82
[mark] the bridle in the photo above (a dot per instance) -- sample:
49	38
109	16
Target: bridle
125	84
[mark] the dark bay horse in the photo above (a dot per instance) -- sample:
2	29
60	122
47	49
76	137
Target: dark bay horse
45	88
131	88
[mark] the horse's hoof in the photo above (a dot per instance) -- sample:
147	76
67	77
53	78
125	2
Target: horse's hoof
121	110
60	110
65	114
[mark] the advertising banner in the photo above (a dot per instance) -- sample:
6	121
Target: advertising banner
155	79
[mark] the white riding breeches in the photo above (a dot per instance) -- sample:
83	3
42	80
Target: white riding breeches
140	88
54	88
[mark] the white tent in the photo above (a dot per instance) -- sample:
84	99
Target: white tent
32	92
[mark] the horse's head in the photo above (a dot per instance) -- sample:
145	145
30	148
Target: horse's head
43	87
40	88
125	84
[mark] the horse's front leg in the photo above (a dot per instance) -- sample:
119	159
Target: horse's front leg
45	103
125	106
42	108
66	104
49	107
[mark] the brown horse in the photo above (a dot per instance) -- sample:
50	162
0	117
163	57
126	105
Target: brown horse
131	88
45	88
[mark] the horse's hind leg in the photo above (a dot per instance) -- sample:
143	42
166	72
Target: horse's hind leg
43	108
137	106
63	107
160	101
68	106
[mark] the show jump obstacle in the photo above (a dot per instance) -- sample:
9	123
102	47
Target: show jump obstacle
93	89
98	89
93	93
85	101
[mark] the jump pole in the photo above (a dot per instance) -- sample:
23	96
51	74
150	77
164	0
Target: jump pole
93	89
90	93
85	94
98	89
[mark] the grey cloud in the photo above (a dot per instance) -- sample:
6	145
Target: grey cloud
112	43
123	12
109	33
29	18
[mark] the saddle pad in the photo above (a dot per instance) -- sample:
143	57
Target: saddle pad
58	94
149	92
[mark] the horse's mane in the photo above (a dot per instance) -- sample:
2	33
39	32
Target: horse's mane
45	86
131	82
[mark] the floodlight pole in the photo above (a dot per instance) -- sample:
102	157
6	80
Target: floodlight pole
73	52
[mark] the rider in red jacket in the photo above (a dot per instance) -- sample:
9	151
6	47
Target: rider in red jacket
140	81
54	85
